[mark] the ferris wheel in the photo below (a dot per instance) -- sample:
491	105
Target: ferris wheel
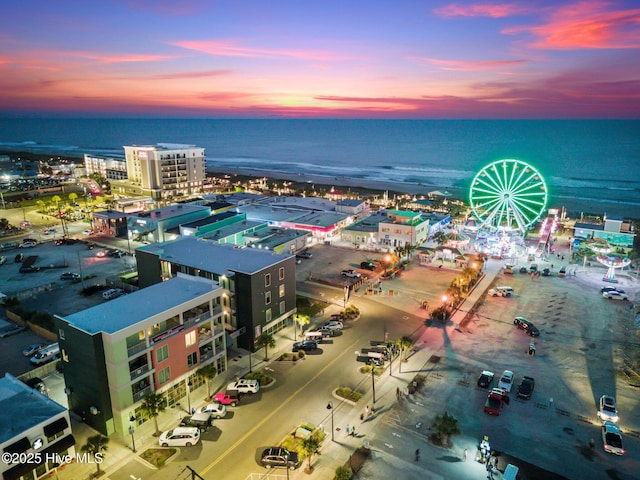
508	195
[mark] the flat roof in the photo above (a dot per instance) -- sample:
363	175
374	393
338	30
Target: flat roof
269	213
369	223
350	202
274	237
171	211
303	203
589	226
22	408
108	317
208	220
222	259
321	219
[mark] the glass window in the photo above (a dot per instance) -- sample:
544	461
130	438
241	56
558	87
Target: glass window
267	298
268	315
164	375
190	339
267	280
192	359
162	353
281	273
282	308
281	291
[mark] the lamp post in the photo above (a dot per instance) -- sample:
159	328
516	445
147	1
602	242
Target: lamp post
373	384
189	384
250	361
132	419
330	407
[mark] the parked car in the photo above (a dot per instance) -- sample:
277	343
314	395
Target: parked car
495	400
70	276
198	420
502	291
333	325
523	269
229	397
613	295
525	389
304	255
533	268
612	289
245	385
11	329
101	254
608	411
19	257
216	410
306	345
37	384
508	269
33	348
88	232
3	259
612	438
112	293
506	380
486	377
350	273
180	437
28	244
279	457
115	253
46	354
367	266
528	327
327	332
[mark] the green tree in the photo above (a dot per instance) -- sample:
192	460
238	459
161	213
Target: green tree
444	427
404	344
344	473
97	444
152	405
40	204
208	372
309	447
267	341
72	197
440	238
302	319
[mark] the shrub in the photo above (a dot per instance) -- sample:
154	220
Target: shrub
343	473
346	392
416	383
263	378
301	354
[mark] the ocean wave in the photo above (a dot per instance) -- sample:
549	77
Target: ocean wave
612	184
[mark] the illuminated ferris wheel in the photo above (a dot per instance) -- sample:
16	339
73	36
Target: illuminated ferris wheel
508	195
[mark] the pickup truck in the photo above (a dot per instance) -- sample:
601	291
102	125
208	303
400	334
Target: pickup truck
244	386
230	397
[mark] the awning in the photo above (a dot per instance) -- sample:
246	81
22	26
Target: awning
23	468
56	427
20	446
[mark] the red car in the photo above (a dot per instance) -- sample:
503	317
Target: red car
495	400
230	397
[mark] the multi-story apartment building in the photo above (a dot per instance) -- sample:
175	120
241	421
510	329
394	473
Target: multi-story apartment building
153	340
166	170
402	227
261	283
109	168
33	429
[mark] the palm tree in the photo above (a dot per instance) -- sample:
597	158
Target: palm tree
72	197
208	372
56	199
40	204
95	446
309	447
445	426
152	405
267	341
404	344
440	238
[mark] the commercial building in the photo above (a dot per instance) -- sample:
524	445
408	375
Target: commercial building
403	227
261	283
109	168
614	230
152	226
165	170
153	340
34	426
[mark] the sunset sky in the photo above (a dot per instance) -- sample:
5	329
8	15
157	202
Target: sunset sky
328	58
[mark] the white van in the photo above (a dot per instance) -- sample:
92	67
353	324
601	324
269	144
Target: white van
180	437
510	473
46	354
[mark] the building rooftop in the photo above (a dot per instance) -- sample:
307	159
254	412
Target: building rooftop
320	219
269	213
209	220
164	146
171	211
369	223
212	257
303	203
108	317
350	202
22	407
272	238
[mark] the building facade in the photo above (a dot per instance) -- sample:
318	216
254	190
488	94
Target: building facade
109	168
166	170
153	340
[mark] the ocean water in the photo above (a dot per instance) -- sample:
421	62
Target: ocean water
591	164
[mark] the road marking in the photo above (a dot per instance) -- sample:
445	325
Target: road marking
268	417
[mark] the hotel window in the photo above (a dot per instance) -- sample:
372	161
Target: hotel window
281	273
282	308
190	339
192	359
164	375
267	315
267	298
281	291
267	280
162	353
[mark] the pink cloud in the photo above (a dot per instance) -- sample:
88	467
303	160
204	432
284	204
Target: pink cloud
231	49
480	10
468	65
591	24
204	74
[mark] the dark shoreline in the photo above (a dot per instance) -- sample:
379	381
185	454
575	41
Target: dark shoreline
574	208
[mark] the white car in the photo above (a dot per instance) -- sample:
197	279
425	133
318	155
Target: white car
112	293
216	410
27	244
612	438
180	437
350	273
608	411
333	325
615	295
506	380
245	386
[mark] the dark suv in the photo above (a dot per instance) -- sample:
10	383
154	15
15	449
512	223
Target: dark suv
279	457
306	345
528	327
368	266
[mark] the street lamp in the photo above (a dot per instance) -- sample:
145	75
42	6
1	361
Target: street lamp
373	384
330	407
132	419
387	261
189	385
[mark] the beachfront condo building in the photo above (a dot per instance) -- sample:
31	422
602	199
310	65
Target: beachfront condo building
109	168
165	171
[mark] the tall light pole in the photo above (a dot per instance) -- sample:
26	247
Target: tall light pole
373	384
330	407
189	384
132	420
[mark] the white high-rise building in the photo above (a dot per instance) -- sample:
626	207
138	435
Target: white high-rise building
166	170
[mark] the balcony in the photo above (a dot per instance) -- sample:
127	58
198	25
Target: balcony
140	394
206	356
139	371
131	351
197	319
